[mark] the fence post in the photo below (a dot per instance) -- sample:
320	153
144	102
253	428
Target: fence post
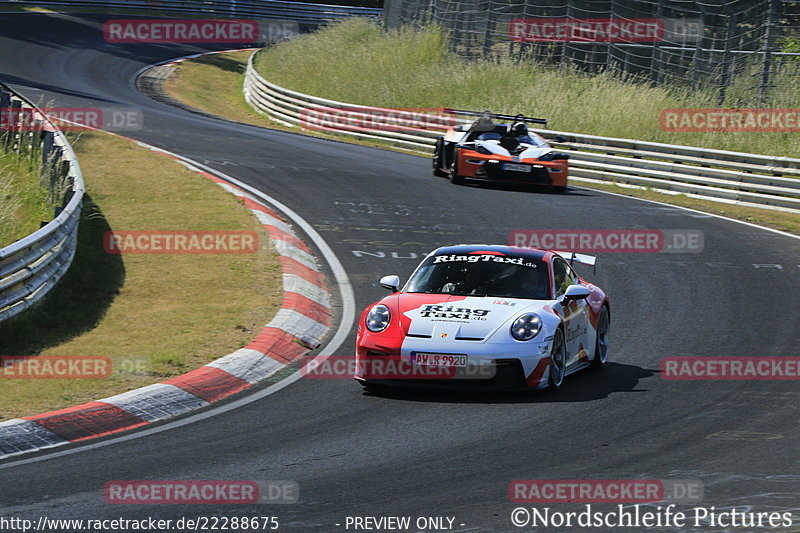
391	13
725	75
769	38
655	62
487	35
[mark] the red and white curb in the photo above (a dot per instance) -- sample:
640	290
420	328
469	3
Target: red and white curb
299	326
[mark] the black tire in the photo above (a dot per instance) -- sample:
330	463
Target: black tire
375	388
601	344
438	154
558	361
453	176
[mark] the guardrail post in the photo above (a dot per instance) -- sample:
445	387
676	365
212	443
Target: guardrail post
53	174
5	104
48	140
13	124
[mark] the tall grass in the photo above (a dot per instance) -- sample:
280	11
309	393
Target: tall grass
23	199
356	61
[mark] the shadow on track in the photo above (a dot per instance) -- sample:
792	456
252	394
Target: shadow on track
78	302
584	386
516	187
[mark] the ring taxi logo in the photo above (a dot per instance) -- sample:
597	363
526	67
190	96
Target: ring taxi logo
485	258
459	313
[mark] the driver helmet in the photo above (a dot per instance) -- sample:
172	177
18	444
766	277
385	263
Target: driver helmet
519	128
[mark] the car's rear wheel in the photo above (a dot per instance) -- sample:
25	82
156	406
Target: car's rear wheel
601	345
453	176
558	361
438	155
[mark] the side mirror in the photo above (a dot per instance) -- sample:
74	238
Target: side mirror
392	283
575	292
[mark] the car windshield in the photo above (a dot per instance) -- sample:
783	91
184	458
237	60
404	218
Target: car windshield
481	274
527	139
491	136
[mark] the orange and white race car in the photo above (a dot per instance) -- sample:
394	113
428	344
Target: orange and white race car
504	152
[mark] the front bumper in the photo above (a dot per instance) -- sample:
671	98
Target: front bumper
510	365
545	173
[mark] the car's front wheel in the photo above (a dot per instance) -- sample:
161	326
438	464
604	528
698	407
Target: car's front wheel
453	176
601	345
558	361
438	159
375	388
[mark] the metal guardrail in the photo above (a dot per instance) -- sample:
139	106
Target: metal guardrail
733	177
303	13
31	266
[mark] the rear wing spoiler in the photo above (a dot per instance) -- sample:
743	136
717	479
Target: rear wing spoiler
583	259
487	114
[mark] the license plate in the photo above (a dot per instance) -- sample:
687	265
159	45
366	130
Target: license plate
517	168
439	359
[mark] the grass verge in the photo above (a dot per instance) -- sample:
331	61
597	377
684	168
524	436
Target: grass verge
214	84
24	200
414	68
154	315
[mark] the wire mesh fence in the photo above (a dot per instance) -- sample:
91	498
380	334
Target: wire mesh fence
748	51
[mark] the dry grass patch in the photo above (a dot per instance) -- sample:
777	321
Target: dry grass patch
169	313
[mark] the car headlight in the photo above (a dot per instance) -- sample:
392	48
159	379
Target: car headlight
378	318
526	327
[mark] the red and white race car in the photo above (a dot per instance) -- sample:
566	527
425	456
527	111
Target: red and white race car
485	316
508	153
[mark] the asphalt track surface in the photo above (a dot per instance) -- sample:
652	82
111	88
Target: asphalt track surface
443	454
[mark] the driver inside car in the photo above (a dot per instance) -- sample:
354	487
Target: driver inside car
473	281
